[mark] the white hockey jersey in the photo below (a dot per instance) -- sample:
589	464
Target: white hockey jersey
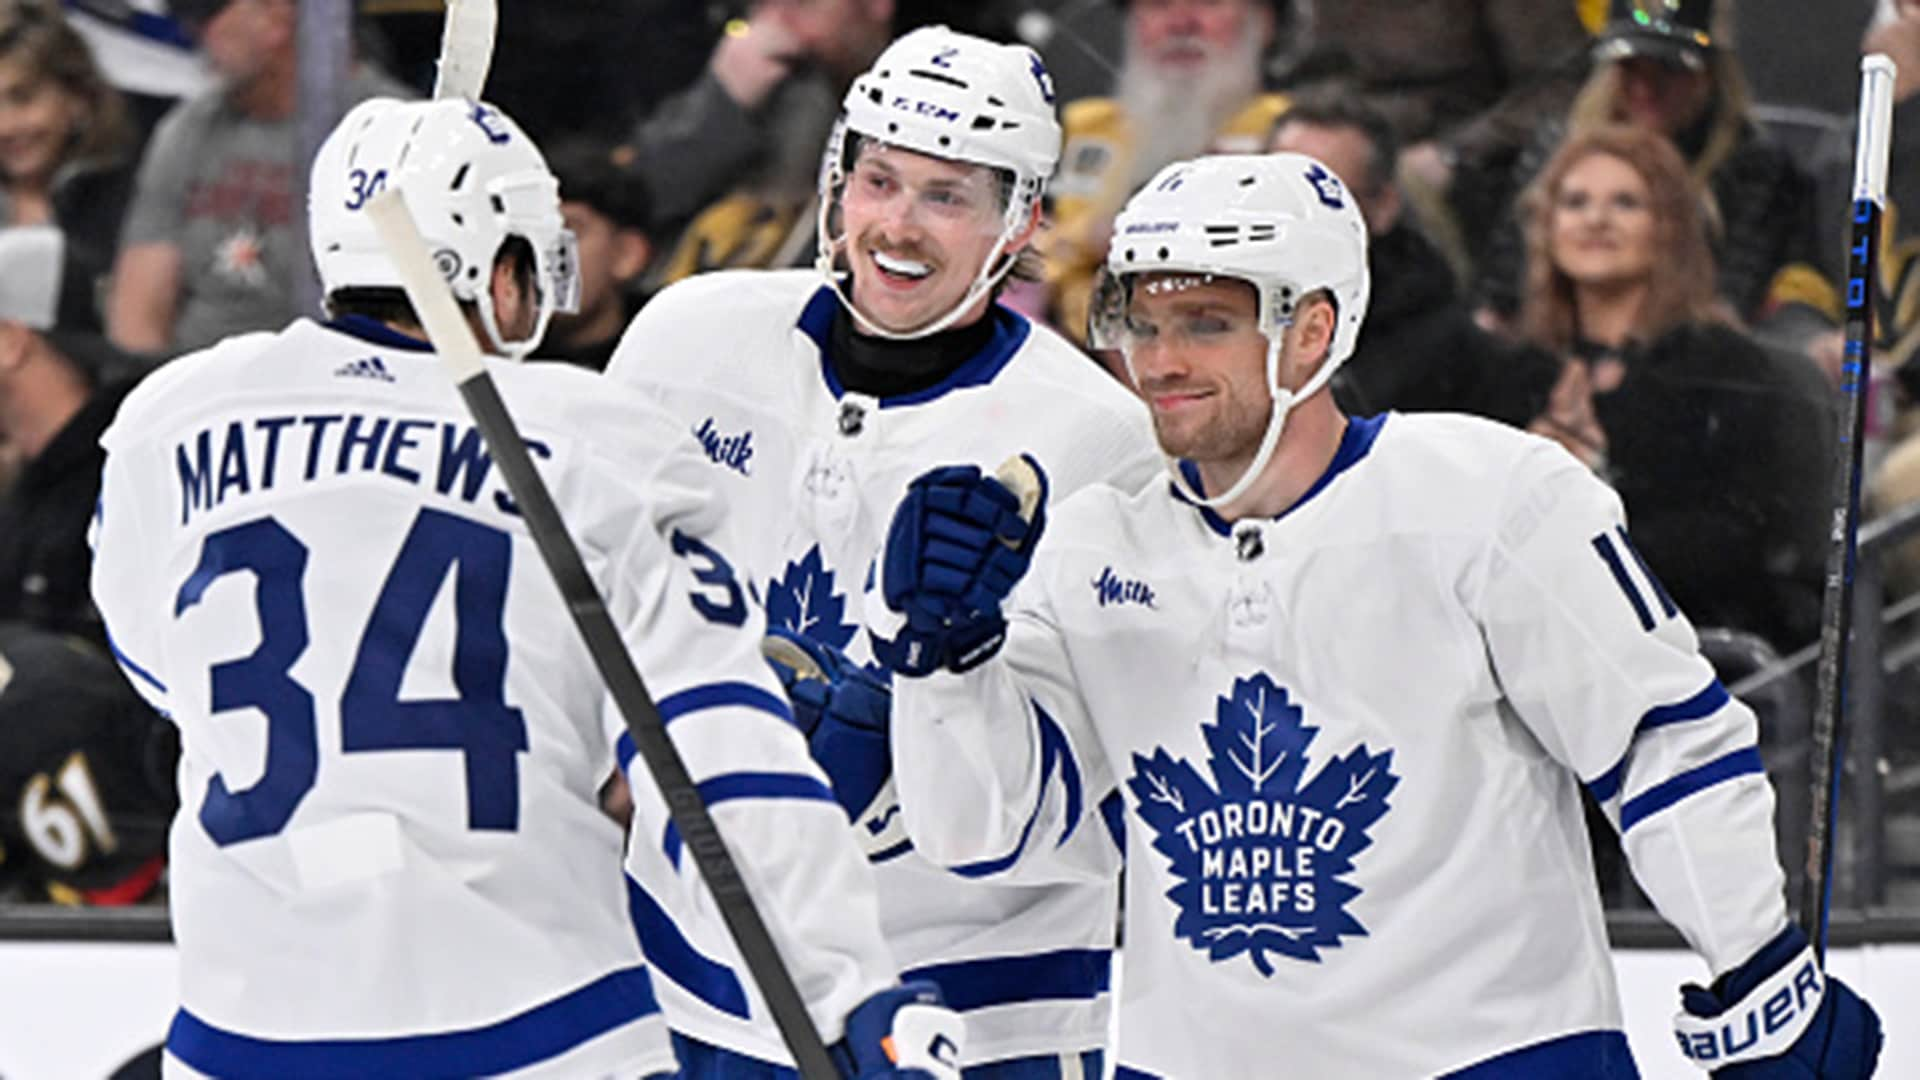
390	859
740	358
1343	746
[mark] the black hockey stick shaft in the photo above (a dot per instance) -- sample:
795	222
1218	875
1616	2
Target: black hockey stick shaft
453	340
1874	128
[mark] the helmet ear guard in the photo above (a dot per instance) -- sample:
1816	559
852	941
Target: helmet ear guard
473	180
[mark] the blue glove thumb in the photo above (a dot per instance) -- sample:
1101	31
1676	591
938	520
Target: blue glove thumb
1779	1017
906	1032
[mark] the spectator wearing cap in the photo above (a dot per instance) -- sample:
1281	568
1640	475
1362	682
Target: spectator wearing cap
607	209
1668	66
1190	83
209	248
58	391
65	159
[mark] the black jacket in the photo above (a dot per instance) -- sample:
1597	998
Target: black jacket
1421	351
44	559
1720	450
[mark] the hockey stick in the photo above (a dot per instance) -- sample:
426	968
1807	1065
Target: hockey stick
1875	125
455	344
466	49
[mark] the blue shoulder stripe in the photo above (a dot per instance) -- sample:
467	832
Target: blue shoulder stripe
1063	975
716	695
1664	794
545	1031
673	956
748	785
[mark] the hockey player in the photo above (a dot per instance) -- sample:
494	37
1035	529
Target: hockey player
1337	683
390	859
816	397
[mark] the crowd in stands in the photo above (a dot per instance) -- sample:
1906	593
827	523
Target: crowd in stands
1581	225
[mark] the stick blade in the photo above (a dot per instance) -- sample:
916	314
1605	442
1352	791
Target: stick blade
466	49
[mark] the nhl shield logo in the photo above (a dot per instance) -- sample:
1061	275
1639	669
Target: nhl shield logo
1262	855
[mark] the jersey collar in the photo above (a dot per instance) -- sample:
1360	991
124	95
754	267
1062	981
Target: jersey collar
375	332
1010	331
1355	443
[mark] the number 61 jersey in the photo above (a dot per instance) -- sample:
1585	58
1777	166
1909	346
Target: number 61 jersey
390	857
1344	746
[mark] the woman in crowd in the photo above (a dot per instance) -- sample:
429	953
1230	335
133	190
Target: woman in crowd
1717	446
65	152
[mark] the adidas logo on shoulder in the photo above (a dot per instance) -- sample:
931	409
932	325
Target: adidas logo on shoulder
371	367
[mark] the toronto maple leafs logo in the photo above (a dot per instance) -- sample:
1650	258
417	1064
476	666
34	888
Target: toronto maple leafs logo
804	601
1262	855
1327	186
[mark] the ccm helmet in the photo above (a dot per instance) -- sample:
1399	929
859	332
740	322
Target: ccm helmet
948	95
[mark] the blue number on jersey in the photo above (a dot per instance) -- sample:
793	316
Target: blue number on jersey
479	722
1603	544
717	573
278	562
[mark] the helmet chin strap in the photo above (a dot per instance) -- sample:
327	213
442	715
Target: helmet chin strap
1283	403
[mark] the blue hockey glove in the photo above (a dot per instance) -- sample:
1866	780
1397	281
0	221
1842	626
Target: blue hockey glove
1779	1017
957	545
906	1032
842	708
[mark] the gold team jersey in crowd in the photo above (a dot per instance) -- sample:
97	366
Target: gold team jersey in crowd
1092	186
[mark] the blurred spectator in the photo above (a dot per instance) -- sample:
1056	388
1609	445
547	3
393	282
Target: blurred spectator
1671	69
1190	83
1464	82
607	209
58	391
65	154
1420	348
733	161
86	775
1718	447
209	249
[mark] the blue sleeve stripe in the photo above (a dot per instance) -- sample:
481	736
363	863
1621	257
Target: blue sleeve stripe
1053	751
673	956
1604	545
891	853
1065	975
1711	699
1708	701
1659	591
612	1001
1128	1072
749	785
716	695
133	669
1664	794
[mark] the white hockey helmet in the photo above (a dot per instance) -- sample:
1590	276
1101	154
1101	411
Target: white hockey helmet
473	179
1283	223
949	95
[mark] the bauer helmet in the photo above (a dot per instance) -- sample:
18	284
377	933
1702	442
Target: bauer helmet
1283	223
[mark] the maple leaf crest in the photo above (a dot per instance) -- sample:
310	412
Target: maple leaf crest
804	601
1261	855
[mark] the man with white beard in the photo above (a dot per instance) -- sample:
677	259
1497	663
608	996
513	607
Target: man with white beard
1190	84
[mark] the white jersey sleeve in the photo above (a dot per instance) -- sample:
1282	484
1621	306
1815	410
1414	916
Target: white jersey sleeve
1606	671
1000	767
696	636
